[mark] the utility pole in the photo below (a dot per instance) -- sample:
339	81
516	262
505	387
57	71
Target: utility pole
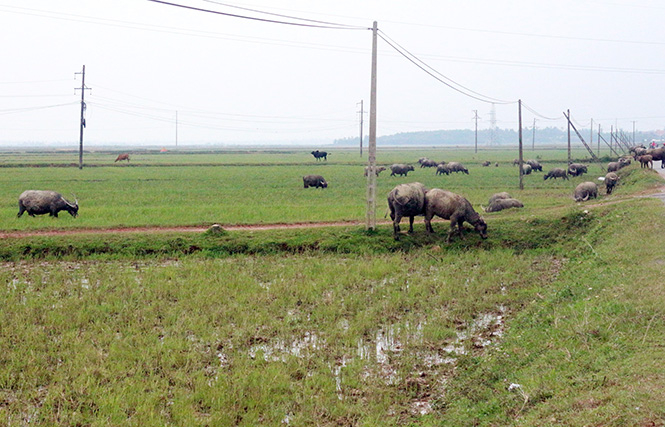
591	136
370	223
475	112
361	127
533	140
569	157
633	132
82	124
521	157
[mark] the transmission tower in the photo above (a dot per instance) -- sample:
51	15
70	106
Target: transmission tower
493	125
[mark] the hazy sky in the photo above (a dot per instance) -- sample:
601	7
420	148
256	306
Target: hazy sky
234	80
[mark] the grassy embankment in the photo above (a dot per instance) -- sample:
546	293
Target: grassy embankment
340	327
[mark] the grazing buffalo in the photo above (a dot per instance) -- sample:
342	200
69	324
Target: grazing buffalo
40	202
124	156
406	200
442	169
454	207
318	155
400	169
377	170
576	169
535	165
457	167
614	166
315	181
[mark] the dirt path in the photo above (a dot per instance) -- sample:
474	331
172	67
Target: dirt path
179	229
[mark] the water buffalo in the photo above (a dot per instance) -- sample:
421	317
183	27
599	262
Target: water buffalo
501	204
658	154
501	195
318	155
400	169
457	167
427	163
315	181
40	202
614	166
121	157
526	169
454	207
377	171
442	169
486	163
576	169
555	173
611	180
406	200
585	191
535	165
646	160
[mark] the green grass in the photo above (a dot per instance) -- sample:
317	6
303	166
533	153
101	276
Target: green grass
259	193
338	326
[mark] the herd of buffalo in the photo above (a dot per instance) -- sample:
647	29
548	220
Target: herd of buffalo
412	199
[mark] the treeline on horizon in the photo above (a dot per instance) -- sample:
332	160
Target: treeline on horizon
543	136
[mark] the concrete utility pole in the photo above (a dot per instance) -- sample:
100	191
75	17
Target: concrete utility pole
370	223
633	132
362	113
475	112
569	157
519	114
591	135
83	89
533	139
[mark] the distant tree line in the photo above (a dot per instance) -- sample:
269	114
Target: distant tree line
466	137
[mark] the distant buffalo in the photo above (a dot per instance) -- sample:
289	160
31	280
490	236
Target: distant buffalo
377	170
555	173
400	169
318	155
315	181
121	157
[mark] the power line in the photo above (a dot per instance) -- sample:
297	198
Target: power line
252	18
426	68
27	109
285	16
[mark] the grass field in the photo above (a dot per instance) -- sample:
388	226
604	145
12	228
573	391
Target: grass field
267	190
556	319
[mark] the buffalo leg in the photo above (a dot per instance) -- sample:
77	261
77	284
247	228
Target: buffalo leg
411	224
396	221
